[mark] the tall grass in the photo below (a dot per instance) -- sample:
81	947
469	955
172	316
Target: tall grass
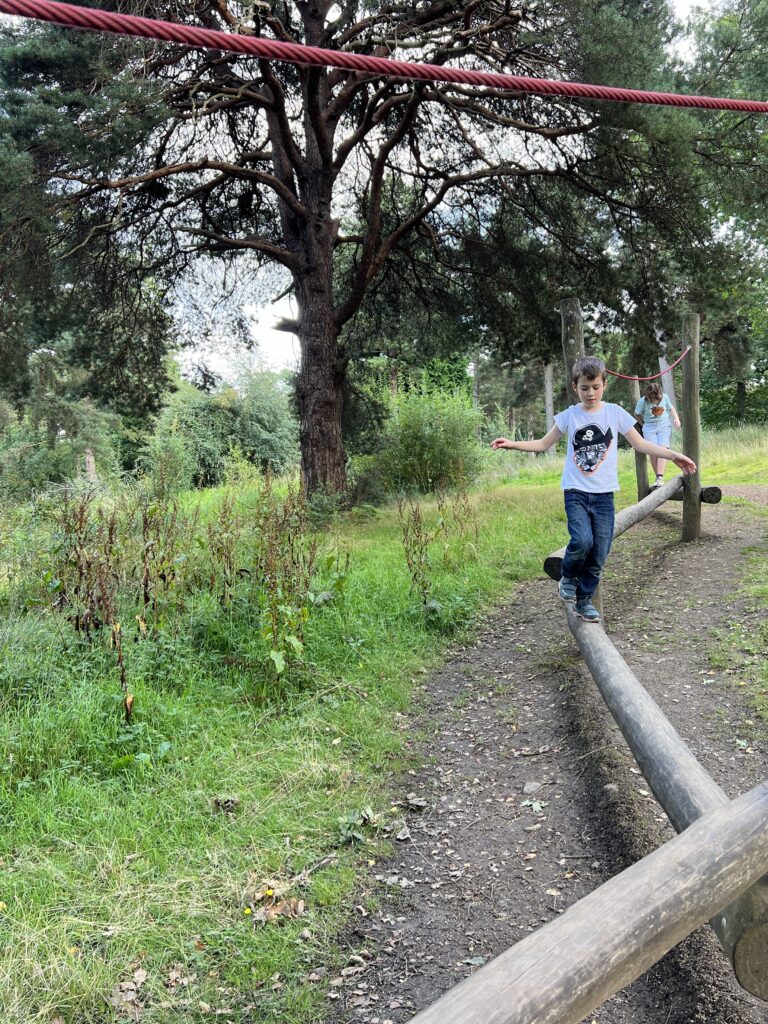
115	852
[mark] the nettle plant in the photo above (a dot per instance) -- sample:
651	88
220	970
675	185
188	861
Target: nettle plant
285	559
83	581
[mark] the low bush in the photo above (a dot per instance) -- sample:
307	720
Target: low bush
430	442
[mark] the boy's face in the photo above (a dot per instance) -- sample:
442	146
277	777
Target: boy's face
589	391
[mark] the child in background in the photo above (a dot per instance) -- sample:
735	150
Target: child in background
657	415
590	476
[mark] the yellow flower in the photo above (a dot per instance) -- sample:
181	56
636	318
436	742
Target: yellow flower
247	910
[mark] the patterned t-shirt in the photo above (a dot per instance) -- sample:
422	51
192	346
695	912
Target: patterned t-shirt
591	462
656	413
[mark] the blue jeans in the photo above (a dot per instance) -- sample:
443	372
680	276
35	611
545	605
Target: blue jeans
590	524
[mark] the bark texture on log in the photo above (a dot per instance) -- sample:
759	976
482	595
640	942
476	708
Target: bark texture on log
572	337
683	788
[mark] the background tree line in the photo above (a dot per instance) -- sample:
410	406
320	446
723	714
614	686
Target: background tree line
413	222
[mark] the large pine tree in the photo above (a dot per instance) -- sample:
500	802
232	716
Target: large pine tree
182	154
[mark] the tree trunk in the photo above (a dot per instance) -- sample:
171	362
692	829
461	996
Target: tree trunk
549	400
394	375
573	338
90	465
668	379
476	391
741	401
641	461
319	389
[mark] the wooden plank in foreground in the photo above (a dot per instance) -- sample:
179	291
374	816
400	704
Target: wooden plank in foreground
570	966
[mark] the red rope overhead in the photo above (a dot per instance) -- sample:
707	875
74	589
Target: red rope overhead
72	16
653	376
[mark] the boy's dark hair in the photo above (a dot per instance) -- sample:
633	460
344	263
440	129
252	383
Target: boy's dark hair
589	367
653	392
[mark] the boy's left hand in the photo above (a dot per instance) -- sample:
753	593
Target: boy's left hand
687	465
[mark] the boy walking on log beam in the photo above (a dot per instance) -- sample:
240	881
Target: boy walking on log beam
590	478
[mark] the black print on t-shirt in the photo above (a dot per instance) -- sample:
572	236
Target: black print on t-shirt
590	446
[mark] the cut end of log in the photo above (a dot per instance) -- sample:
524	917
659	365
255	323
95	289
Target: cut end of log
750	957
553	567
708	496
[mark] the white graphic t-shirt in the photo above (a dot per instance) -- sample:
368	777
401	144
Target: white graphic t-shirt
657	413
591	462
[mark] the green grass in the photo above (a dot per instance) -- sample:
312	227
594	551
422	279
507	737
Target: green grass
740	650
114	856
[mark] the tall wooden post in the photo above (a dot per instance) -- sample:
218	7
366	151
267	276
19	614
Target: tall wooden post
573	338
641	460
691	427
549	400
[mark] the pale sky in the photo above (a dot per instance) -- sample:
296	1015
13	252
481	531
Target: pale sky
278	349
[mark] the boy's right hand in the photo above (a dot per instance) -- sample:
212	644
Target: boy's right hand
500	442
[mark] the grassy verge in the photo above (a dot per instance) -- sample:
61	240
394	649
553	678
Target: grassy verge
739	651
135	859
137	856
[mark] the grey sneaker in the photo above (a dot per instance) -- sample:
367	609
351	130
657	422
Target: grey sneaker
566	589
587	611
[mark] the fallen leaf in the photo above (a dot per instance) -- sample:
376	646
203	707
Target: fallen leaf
291	908
226	803
178	979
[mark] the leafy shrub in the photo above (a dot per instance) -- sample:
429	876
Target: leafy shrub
430	442
33	457
200	438
366	483
720	405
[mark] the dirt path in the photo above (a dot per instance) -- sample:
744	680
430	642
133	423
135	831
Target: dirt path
530	796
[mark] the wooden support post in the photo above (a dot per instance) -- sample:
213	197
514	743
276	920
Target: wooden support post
641	460
682	787
566	969
691	427
573	339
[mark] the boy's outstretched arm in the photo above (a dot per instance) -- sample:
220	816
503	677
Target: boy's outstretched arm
541	444
639	443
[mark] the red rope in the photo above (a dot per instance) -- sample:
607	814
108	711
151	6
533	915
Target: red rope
653	376
72	16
